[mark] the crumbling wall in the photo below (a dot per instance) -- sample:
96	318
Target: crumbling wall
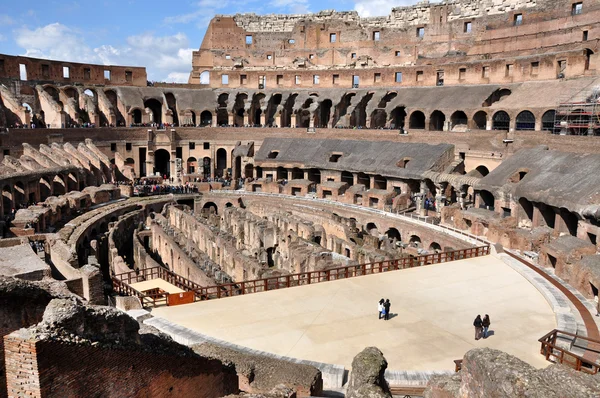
62	356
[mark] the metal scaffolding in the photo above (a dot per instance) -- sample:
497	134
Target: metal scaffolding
579	114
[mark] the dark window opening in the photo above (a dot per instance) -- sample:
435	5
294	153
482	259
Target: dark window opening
192	145
206	145
334	158
128	146
113	147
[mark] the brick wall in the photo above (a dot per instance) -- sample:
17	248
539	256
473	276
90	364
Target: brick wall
42	368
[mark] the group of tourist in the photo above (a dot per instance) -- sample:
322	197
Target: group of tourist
481	326
163	189
383	307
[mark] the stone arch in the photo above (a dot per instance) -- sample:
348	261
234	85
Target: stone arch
437	119
459	121
72	184
7	199
156	107
496	96
416	120
249	171
45	188
415	241
314	175
482	171
58	186
136	116
221	161
398	118
487	200
192	165
548	120
282	173
211	207
480	120
393	233
500	121
371	229
378	119
162	162
525	121
435	247
526	208
172	106
323	114
206	118
205	77
19	197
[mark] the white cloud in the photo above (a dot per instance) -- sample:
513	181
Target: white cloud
177	77
371	8
165	57
6	20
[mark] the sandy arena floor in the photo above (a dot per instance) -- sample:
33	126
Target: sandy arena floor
433	309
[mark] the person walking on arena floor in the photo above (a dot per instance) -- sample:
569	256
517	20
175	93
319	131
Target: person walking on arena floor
386	307
380	307
478	323
486	325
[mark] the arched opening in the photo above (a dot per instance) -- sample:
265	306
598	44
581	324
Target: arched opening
525	121
162	162
487	200
415	241
205	167
137	116
282	173
500	121
371	229
364	179
378	119
379	182
7	199
205	118
417	120
393	234
527	208
570	220
324	113
436	121
398	118
228	204
211	207
156	108
297	174
238	168
19	198
113	99
588	54
172	106
481	171
270	261
205	77
548	214
480	120
58	186
45	189
348	178
249	171
496	96
548	121
89	93
221	161
459	121
72	182
192	165
435	247
314	175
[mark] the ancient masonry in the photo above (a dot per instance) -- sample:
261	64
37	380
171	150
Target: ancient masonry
304	149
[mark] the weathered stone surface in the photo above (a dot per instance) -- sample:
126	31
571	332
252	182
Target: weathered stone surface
491	373
367	379
261	374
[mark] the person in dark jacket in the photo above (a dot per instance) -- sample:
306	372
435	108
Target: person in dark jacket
386	306
380	307
478	323
486	325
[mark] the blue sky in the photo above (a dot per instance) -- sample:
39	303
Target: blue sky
159	35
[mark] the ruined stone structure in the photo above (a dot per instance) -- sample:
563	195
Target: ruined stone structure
315	142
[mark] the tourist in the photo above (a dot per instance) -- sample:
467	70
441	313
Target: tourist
486	325
380	307
386	308
478	323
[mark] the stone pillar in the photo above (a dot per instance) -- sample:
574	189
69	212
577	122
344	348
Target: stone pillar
246	122
230	119
293	121
214	120
263	119
421	198
278	121
213	161
439	202
538	124
488	124
372	181
311	122
426	128
150	162
355	177
513	124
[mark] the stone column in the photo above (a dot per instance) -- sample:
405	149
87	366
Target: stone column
214	120
278	120
150	162
263	119
488	124
513	124
213	161
293	121
246	122
421	198
230	119
372	181
439	202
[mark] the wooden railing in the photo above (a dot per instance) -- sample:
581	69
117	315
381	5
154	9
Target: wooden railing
351	271
122	281
560	355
